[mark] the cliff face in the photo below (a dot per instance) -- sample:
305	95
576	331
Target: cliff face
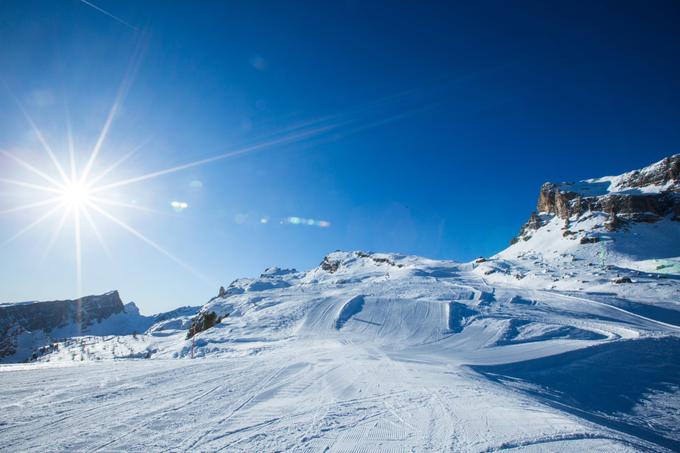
638	207
646	195
46	317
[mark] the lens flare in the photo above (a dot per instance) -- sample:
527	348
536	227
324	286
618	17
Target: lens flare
293	220
179	206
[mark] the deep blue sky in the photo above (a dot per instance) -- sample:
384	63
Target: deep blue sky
447	119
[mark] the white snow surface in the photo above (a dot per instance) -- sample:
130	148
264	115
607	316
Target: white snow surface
380	352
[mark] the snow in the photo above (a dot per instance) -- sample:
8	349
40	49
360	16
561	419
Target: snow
386	353
554	344
339	396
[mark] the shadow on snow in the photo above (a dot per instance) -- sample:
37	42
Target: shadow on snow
601	383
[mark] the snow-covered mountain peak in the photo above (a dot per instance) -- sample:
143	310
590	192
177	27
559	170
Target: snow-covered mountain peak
630	220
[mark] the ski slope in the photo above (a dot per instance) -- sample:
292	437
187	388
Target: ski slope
317	396
386	353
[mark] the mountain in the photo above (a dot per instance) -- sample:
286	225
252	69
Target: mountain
32	329
629	223
568	340
595	209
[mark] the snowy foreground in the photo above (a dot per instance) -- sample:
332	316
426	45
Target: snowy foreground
316	396
382	353
568	340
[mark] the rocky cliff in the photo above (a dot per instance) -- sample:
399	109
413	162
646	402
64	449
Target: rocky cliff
30	324
646	195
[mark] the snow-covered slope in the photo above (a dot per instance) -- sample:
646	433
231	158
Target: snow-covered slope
393	352
562	342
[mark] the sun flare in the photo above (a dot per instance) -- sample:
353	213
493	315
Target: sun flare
76	194
84	193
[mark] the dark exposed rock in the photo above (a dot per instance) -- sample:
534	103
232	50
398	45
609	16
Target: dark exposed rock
48	316
615	223
635	207
589	240
555	201
534	223
204	321
330	265
222	292
380	260
622	280
377	259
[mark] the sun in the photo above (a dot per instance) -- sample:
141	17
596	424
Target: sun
80	196
84	193
76	194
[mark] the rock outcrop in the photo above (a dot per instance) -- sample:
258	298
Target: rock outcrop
643	207
47	317
204	321
646	195
329	265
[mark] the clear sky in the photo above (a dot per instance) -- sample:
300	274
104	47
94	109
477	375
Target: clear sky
414	127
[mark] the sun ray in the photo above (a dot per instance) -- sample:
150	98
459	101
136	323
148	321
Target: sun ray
332	123
124	205
149	242
106	13
31	205
71	148
55	234
29	185
101	138
115	165
31	225
256	147
78	253
120	95
30	167
41	138
390	119
97	233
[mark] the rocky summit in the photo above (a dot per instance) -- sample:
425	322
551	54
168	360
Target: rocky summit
648	195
